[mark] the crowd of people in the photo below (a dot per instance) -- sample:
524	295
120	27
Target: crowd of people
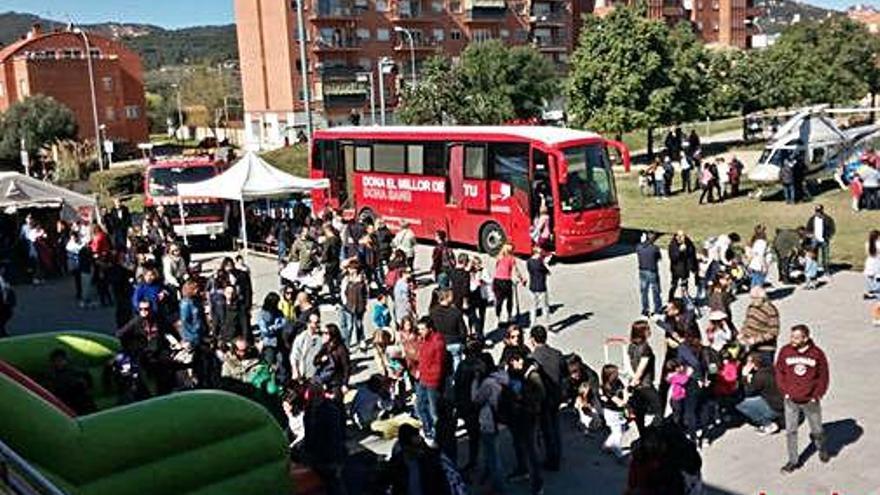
181	328
715	180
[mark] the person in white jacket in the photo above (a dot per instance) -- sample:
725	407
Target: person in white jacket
405	241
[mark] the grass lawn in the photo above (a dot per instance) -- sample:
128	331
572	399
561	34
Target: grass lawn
742	214
292	159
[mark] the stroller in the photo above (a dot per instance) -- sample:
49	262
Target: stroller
788	247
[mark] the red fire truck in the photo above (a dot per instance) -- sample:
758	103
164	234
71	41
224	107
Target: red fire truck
203	217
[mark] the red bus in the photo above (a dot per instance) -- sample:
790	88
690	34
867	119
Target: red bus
482	185
203	216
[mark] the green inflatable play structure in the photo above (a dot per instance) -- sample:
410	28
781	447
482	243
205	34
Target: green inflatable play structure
193	443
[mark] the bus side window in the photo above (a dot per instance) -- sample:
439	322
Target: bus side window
475	162
510	164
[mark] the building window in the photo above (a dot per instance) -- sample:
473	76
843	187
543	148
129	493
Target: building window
132	112
110	114
715	5
107	83
363	34
2	89
481	34
365	63
95	53
383	34
381	6
504	33
455	6
439	35
715	27
71	54
436	6
455	35
22	88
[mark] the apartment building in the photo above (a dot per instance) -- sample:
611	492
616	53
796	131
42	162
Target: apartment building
729	23
347	38
55	64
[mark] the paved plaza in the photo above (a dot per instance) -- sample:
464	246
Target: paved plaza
598	298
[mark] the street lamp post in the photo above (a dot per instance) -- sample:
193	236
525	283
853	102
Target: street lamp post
412	50
98	143
304	69
368	77
179	112
384	63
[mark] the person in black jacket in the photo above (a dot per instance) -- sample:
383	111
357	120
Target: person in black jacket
682	262
324	442
529	397
331	247
460	282
762	405
476	366
449	321
538	273
383	237
552	366
229	320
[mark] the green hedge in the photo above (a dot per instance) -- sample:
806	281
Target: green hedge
118	181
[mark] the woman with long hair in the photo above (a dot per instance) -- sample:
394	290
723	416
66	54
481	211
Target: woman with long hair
613	397
502	283
332	361
645	400
872	265
757	255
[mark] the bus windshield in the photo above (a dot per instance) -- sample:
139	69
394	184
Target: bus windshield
163	181
590	181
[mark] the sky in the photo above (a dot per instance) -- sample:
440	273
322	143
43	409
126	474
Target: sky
177	13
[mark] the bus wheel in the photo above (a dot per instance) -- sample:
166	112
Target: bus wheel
492	237
367	216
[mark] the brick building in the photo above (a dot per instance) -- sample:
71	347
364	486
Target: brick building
346	39
54	64
728	23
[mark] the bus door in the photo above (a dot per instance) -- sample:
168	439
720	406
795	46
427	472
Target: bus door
335	158
455	177
541	193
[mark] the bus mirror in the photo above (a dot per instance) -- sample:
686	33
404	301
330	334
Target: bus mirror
621	150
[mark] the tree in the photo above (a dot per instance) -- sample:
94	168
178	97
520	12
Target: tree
37	120
206	87
829	61
491	84
432	101
630	72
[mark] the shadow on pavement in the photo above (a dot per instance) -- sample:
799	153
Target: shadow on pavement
839	435
569	321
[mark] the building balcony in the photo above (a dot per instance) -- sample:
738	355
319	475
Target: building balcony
754	12
340	73
327	46
673	11
552	44
323	10
419	45
548	19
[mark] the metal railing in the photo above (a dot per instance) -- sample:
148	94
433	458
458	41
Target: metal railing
18	477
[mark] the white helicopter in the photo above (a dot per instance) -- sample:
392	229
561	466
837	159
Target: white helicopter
811	135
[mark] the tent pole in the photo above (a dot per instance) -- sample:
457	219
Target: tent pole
243	228
182	219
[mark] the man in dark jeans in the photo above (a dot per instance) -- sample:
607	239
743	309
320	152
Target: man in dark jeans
529	397
649	276
551	364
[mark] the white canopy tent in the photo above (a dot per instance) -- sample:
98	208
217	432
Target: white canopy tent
19	191
250	178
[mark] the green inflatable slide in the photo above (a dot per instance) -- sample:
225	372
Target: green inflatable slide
192	443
